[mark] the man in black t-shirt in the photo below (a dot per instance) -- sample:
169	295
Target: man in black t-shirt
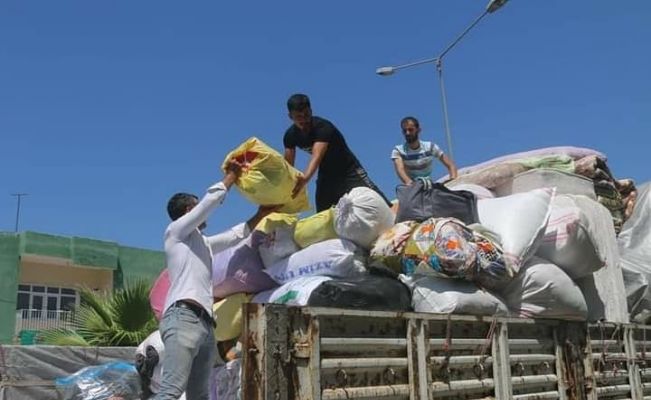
339	169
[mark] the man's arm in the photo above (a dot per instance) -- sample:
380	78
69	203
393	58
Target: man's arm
290	155
182	227
400	170
318	152
449	164
236	234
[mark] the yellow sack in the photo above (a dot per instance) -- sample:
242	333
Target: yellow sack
268	179
317	228
228	316
275	221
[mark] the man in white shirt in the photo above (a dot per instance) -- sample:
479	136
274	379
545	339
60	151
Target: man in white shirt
414	158
187	324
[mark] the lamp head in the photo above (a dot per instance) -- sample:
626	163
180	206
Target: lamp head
385	71
494	5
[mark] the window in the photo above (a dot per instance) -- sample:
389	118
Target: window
46	298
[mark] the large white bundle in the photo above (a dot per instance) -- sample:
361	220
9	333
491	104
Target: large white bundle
519	220
564	182
361	216
154	340
440	295
292	293
576	239
542	290
335	258
635	248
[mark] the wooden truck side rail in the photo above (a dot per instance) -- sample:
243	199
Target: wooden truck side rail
325	353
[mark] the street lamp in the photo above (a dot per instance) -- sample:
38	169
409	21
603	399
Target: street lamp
493	5
18	196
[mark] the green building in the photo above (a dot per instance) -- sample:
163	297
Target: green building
40	275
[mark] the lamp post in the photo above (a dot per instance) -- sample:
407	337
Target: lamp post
19	196
493	5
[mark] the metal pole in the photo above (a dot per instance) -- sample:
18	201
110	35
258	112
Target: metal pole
444	103
19	197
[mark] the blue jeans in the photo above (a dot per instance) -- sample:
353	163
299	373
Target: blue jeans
189	355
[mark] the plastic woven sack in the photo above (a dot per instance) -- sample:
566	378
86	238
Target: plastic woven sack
361	216
267	179
316	228
228	316
388	248
115	380
273	237
542	290
575	235
335	258
239	269
519	220
437	295
292	293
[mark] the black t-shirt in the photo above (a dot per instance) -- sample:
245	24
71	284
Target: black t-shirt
338	162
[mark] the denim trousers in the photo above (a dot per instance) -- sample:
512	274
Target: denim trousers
189	355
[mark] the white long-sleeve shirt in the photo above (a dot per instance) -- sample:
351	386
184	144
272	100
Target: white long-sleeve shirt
189	252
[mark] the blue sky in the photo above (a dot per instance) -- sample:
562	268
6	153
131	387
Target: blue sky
107	108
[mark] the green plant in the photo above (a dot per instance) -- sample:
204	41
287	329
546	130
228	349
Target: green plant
119	318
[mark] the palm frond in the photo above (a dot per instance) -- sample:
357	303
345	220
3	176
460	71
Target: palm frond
62	337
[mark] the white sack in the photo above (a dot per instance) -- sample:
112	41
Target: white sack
440	295
335	258
519	220
542	290
575	239
361	216
276	245
292	293
154	340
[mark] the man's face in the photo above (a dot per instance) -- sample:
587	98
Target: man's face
302	119
410	131
190	207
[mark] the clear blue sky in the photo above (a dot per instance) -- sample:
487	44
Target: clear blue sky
107	108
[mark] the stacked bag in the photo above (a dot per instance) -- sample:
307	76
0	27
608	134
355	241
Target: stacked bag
474	253
522	236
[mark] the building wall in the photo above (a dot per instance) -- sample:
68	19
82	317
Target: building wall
52	260
9	266
39	271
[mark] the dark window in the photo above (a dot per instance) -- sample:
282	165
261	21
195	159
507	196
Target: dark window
24	288
37	302
53	290
51	303
23	301
38	288
67	303
68	291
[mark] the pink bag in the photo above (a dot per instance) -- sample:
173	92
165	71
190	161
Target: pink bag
158	293
239	269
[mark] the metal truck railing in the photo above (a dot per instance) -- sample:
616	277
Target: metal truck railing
322	353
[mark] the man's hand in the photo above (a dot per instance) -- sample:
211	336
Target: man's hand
262	212
233	172
301	181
